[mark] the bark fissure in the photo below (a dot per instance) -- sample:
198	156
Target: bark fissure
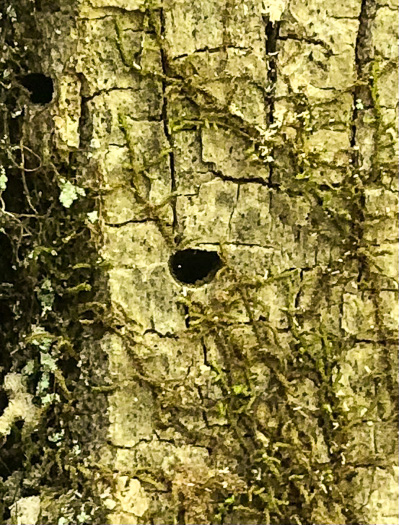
165	119
210	50
272	30
130	221
237	180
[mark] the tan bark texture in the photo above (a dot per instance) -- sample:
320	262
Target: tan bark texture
199	274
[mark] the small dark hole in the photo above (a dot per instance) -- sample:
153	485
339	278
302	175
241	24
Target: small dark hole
40	86
194	266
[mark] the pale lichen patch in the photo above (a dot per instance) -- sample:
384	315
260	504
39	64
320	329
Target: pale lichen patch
20	404
25	511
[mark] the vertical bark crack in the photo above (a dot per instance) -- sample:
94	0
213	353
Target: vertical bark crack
233	210
84	121
272	30
365	101
364	55
168	135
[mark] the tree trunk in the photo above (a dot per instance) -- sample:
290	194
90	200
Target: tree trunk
198	262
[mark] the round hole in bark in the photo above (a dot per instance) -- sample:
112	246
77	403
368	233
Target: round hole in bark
195	266
40	86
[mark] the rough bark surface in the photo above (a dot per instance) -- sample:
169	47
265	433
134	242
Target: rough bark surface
261	130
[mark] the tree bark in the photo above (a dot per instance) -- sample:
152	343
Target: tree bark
199	271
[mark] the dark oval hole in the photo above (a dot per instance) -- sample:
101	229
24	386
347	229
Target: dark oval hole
40	86
194	266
